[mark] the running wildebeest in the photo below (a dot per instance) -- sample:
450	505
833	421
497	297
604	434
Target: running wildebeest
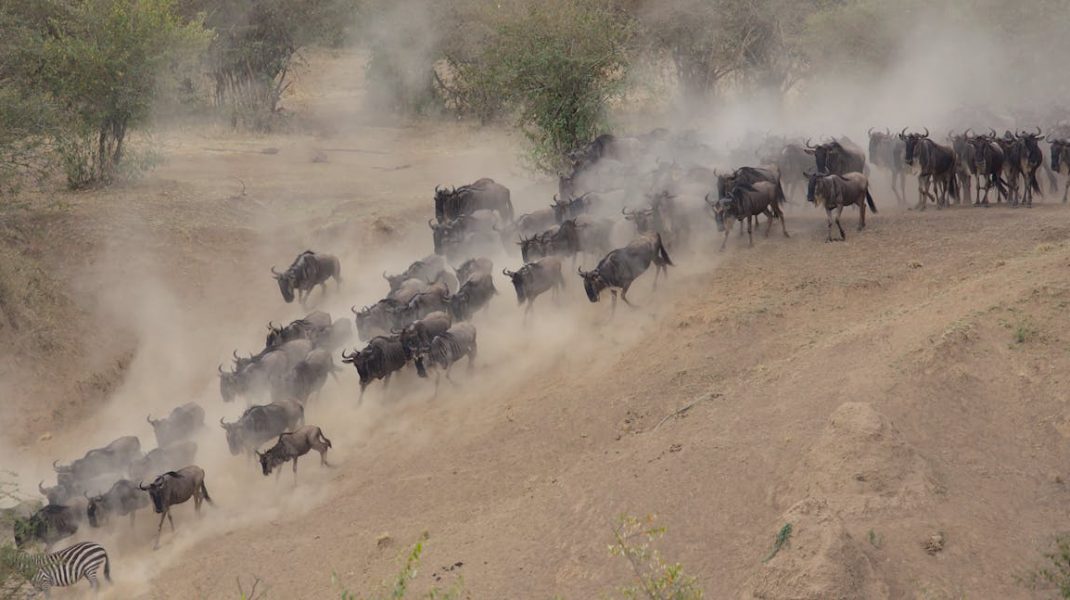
307	271
837	156
570	208
657	218
261	423
472	266
308	376
381	358
485	194
834	192
446	349
163	459
473	295
124	498
173	488
182	423
379	318
434	299
293	445
936	163
47	526
532	223
1060	161
889	152
623	266
314	327
988	167
113	458
420	333
265	372
745	201
430	269
534	278
966	167
1032	158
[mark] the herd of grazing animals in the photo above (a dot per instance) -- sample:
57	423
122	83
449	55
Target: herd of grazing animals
426	316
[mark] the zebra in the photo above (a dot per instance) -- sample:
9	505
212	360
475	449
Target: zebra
65	567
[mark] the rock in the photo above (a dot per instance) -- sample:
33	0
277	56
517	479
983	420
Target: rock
935	543
384	541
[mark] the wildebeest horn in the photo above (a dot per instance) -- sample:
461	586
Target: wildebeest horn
808	145
507	272
966	133
353	309
235	354
869	131
437	188
581	271
221	423
220	367
556	201
950	134
1039	130
41	488
274	272
903	133
141	486
807	174
926	132
148	419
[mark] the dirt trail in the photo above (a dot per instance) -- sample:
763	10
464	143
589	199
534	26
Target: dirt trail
873	393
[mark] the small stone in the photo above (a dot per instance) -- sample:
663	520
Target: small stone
45	436
935	543
384	541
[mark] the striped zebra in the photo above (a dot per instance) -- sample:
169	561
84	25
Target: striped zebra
65	567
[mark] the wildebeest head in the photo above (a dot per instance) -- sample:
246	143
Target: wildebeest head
230	384
719	207
911	140
1059	148
95	510
275	336
877	139
270	460
234	437
442	195
158	488
57	494
287	282
643	218
395	281
593	283
1031	141
362	361
531	247
517	277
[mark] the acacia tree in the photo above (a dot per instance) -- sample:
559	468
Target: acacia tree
101	60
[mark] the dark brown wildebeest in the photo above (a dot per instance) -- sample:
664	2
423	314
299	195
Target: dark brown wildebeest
485	194
936	164
988	167
173	488
293	445
111	459
1060	161
621	267
381	358
314	327
570	208
377	319
746	201
838	156
1032	158
260	423
472	266
307	271
966	167
124	498
534	278
307	377
889	152
447	348
834	192
47	526
183	422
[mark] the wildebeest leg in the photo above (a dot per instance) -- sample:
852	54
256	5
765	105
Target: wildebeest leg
386	381
613	309
295	470
472	357
278	473
750	235
1066	188
159	528
360	399
727	230
861	215
923	195
828	216
624	294
769	223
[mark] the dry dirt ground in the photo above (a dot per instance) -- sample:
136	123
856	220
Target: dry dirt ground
906	384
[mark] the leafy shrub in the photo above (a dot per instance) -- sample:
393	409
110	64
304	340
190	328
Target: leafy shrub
633	540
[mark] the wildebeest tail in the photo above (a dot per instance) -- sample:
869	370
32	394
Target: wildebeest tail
509	207
661	252
1034	184
953	186
204	490
324	439
869	201
1051	178
780	197
1001	186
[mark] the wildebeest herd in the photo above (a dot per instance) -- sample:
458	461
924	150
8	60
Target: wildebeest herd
427	316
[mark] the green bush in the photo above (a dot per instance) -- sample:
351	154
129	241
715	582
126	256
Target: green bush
633	540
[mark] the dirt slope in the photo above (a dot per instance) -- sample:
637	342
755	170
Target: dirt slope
874	393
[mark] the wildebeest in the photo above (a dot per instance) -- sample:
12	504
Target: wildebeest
47	526
448	348
420	333
479	231
162	459
623	266
485	194
124	498
966	167
1032	159
113	458
745	201
430	269
307	271
570	208
314	327
378	319
1060	161
889	152
472	266
293	445
534	278
834	192
434	299
791	161
263	372
173	488
837	156
988	167
473	295
183	422
308	376
936	163
381	358
530	223
261	423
